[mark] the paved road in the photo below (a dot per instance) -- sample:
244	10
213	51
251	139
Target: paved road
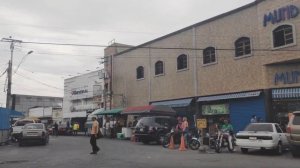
73	152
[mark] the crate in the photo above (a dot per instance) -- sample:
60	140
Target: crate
120	136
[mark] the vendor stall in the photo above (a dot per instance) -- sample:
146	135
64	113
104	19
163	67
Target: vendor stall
150	110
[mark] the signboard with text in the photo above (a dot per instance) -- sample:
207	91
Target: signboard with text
216	109
201	123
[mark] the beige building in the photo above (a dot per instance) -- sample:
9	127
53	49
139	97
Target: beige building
244	62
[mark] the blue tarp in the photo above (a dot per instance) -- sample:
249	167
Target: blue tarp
4	119
5	115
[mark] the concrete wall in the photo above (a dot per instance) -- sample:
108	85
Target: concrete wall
229	74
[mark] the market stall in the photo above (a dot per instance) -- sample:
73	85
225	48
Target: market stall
113	121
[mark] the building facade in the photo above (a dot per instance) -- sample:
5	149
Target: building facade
82	95
244	62
23	103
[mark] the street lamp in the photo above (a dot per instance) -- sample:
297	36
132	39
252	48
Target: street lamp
22	60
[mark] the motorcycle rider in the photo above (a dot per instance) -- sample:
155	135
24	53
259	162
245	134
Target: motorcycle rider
227	129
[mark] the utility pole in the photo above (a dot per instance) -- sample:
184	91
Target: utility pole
9	69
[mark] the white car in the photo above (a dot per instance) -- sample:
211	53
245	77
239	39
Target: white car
262	136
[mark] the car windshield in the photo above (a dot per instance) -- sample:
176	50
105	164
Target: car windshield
23	122
259	127
33	126
145	121
296	120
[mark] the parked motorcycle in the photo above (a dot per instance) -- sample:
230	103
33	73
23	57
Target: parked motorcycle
222	142
193	139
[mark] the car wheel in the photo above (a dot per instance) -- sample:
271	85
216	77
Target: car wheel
146	142
279	149
244	150
21	143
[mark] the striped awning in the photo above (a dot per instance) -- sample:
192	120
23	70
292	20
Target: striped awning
174	103
286	93
229	96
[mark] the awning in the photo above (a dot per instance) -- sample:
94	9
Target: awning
150	110
110	112
175	103
15	114
230	96
97	111
286	93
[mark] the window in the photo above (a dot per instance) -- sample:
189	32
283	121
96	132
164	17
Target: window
159	68
278	129
182	62
242	47
283	35
209	55
140	72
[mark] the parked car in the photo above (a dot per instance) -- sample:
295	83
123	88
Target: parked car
18	125
34	132
153	128
293	131
262	136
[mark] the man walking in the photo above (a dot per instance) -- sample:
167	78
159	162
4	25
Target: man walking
94	133
55	131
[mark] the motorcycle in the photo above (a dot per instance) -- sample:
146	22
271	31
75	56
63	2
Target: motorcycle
222	141
193	139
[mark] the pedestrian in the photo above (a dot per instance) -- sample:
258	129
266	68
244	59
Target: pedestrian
94	133
135	121
55	131
253	119
85	128
185	130
75	128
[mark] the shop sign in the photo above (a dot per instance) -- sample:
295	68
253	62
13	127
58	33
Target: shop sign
216	109
201	123
281	14
287	77
77	92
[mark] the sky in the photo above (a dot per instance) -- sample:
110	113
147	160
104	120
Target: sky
96	22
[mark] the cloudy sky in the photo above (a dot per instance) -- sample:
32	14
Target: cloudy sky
85	22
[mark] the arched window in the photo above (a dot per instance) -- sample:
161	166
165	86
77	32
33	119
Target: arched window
242	46
181	62
283	35
140	72
159	68
209	55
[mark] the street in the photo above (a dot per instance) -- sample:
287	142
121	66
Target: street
74	152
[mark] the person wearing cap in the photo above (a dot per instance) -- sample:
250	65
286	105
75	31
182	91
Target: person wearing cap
94	133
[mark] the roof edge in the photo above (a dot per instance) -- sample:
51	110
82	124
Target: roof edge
194	25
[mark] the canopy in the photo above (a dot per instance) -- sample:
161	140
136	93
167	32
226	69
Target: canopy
97	111
109	112
174	103
14	113
150	110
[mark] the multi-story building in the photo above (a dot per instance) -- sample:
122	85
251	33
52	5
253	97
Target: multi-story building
82	95
241	63
23	103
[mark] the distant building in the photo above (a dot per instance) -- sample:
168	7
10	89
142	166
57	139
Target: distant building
23	103
82	95
47	114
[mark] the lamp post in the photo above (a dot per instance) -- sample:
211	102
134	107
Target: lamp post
9	69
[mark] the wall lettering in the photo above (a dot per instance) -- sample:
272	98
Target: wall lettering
291	77
281	14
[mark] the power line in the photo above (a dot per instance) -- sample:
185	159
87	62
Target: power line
146	47
45	84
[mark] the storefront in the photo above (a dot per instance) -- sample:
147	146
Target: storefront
238	107
183	107
284	101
